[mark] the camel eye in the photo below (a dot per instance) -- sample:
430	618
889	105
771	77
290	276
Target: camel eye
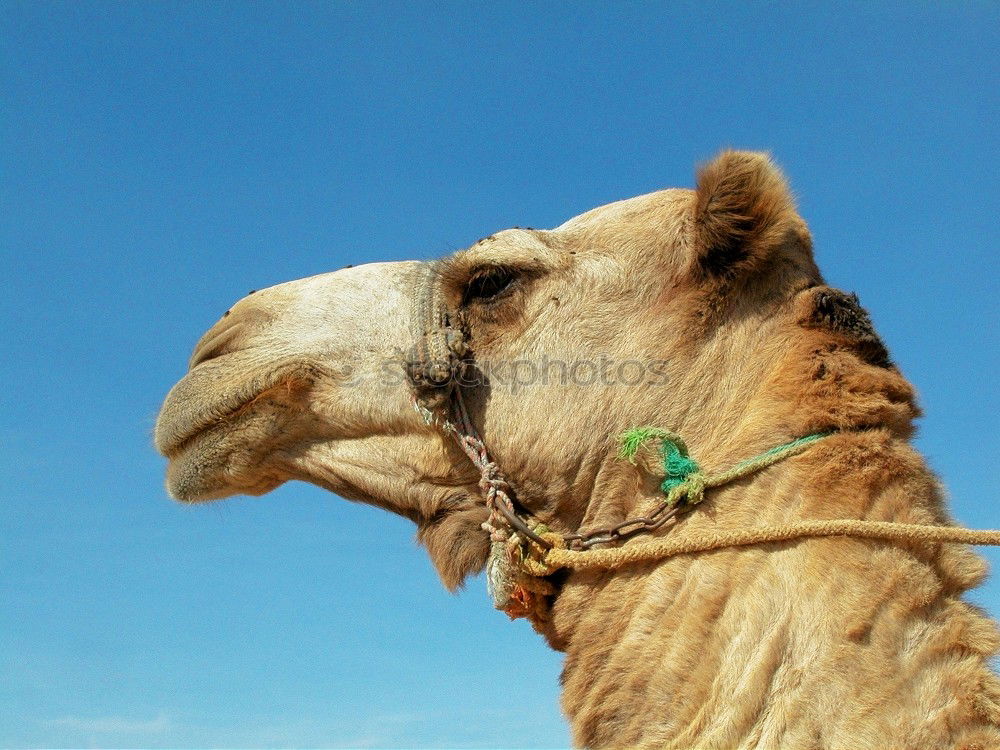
489	284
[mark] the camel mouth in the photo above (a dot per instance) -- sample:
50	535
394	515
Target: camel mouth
213	392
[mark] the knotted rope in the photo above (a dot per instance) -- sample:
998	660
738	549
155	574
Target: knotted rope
684	480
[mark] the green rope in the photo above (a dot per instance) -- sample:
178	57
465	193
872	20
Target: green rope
683	479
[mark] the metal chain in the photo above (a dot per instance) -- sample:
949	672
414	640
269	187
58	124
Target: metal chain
626	529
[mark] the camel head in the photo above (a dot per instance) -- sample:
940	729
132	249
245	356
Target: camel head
699	310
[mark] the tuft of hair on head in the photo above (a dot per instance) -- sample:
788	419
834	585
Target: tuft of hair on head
744	211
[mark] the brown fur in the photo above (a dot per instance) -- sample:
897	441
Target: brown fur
817	643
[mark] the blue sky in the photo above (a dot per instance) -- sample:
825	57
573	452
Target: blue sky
159	160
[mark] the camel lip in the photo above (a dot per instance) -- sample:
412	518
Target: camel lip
183	438
213	392
186	414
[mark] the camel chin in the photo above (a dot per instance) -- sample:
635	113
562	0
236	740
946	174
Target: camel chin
213	465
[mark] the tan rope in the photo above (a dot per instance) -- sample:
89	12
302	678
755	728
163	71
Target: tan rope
660	549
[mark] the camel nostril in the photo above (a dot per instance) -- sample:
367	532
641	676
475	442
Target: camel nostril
215	343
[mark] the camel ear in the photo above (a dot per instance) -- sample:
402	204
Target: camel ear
744	211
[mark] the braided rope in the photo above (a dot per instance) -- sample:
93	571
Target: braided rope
686	483
661	549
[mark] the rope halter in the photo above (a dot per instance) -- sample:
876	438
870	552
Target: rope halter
524	552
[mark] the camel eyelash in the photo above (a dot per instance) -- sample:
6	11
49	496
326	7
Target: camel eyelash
489	284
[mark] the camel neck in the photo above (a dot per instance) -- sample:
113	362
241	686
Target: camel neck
739	646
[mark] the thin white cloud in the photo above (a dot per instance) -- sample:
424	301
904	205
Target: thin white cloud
112	724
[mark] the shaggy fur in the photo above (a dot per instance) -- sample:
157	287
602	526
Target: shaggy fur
815	643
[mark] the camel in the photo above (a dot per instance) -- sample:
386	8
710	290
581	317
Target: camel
699	311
